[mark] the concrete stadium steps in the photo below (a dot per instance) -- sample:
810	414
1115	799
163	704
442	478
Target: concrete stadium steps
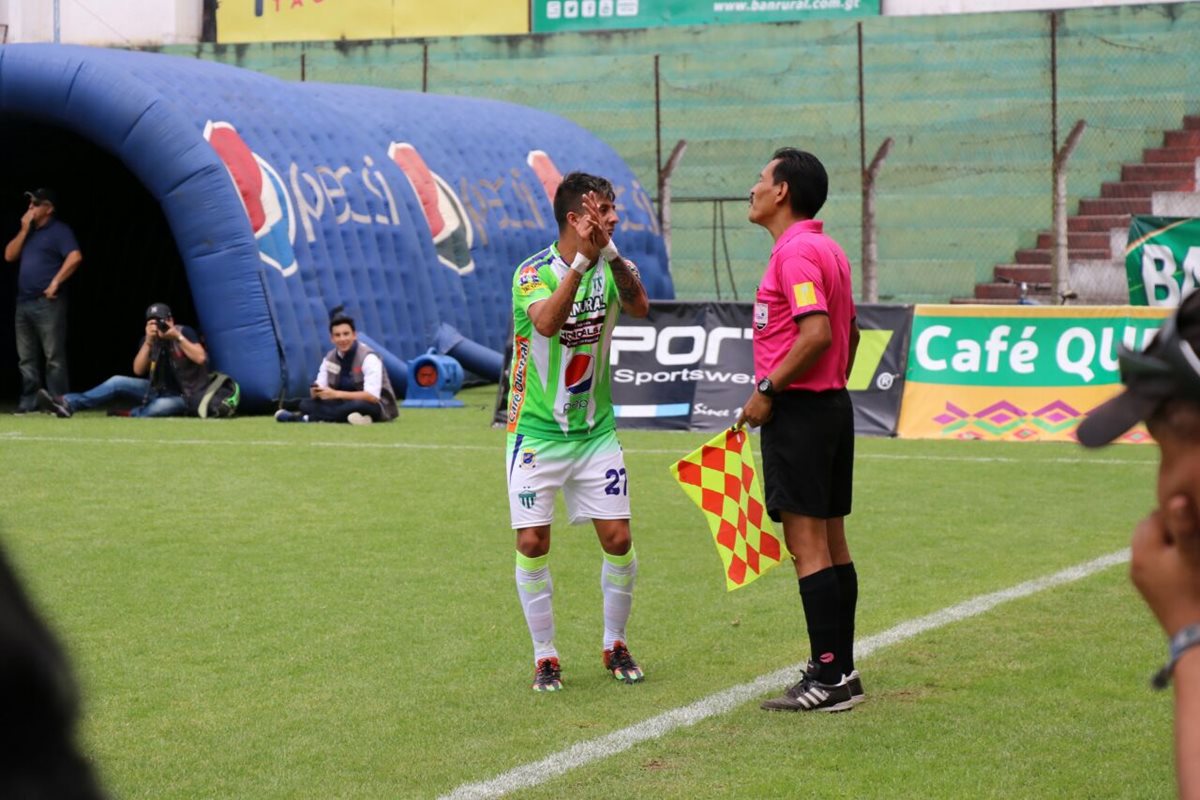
1189	137
1108	206
1136	189
1027	273
1094	223
1170	155
1184	170
1076	241
1043	255
1096	236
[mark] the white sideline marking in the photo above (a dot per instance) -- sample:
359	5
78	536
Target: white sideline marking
16	437
619	741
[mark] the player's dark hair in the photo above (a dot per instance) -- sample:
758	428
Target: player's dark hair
808	183
338	316
574	186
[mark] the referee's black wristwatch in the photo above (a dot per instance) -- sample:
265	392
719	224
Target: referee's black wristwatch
766	388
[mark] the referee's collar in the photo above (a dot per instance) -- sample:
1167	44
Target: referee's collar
799	228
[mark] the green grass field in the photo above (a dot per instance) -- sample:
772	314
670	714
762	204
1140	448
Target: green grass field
258	610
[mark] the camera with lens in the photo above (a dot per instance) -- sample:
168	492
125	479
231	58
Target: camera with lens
161	324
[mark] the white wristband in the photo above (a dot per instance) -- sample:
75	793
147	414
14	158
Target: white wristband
610	252
581	263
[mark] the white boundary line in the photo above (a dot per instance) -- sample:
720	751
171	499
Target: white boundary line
16	437
619	741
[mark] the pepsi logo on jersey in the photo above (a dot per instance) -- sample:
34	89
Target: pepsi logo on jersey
579	372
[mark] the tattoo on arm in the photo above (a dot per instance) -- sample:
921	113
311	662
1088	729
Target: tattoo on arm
558	313
629	283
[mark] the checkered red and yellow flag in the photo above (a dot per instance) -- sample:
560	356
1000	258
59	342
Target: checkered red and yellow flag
720	478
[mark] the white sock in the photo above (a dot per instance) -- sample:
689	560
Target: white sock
617	577
536	589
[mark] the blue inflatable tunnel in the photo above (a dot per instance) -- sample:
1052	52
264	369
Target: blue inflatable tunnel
254	205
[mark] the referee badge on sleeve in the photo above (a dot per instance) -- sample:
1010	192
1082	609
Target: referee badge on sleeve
805	294
760	315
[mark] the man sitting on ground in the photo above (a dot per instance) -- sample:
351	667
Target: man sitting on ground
351	386
171	368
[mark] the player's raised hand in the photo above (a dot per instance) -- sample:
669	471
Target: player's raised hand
591	207
585	226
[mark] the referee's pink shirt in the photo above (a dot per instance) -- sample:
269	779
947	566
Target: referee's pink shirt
808	273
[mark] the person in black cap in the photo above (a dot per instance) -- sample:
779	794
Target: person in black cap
1162	388
48	256
171	368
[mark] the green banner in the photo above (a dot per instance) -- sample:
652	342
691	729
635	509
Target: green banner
1066	347
587	15
1162	261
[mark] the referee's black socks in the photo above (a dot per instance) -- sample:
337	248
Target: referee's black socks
821	598
848	587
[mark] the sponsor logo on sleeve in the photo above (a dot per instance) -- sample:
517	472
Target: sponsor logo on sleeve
528	281
516	396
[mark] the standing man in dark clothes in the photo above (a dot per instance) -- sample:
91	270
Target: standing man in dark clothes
805	338
48	255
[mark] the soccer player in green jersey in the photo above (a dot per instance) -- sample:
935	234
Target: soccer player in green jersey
561	428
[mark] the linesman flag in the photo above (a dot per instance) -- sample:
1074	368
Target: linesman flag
719	477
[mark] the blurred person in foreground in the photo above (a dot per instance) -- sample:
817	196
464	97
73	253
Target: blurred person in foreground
1163	389
39	757
805	338
171	369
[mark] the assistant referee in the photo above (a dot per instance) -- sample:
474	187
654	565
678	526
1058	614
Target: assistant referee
805	337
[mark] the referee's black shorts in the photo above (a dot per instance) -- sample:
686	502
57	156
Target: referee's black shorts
808	454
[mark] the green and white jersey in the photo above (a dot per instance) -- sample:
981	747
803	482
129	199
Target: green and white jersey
559	386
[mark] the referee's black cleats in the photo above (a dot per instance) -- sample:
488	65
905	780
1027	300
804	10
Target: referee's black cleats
812	695
857	695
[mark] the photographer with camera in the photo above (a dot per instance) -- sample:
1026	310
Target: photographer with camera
171	368
1162	388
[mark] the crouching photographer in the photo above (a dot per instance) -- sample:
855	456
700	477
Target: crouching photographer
171	369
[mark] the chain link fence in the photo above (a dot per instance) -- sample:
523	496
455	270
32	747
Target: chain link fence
976	106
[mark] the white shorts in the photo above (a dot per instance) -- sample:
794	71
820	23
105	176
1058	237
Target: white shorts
591	474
